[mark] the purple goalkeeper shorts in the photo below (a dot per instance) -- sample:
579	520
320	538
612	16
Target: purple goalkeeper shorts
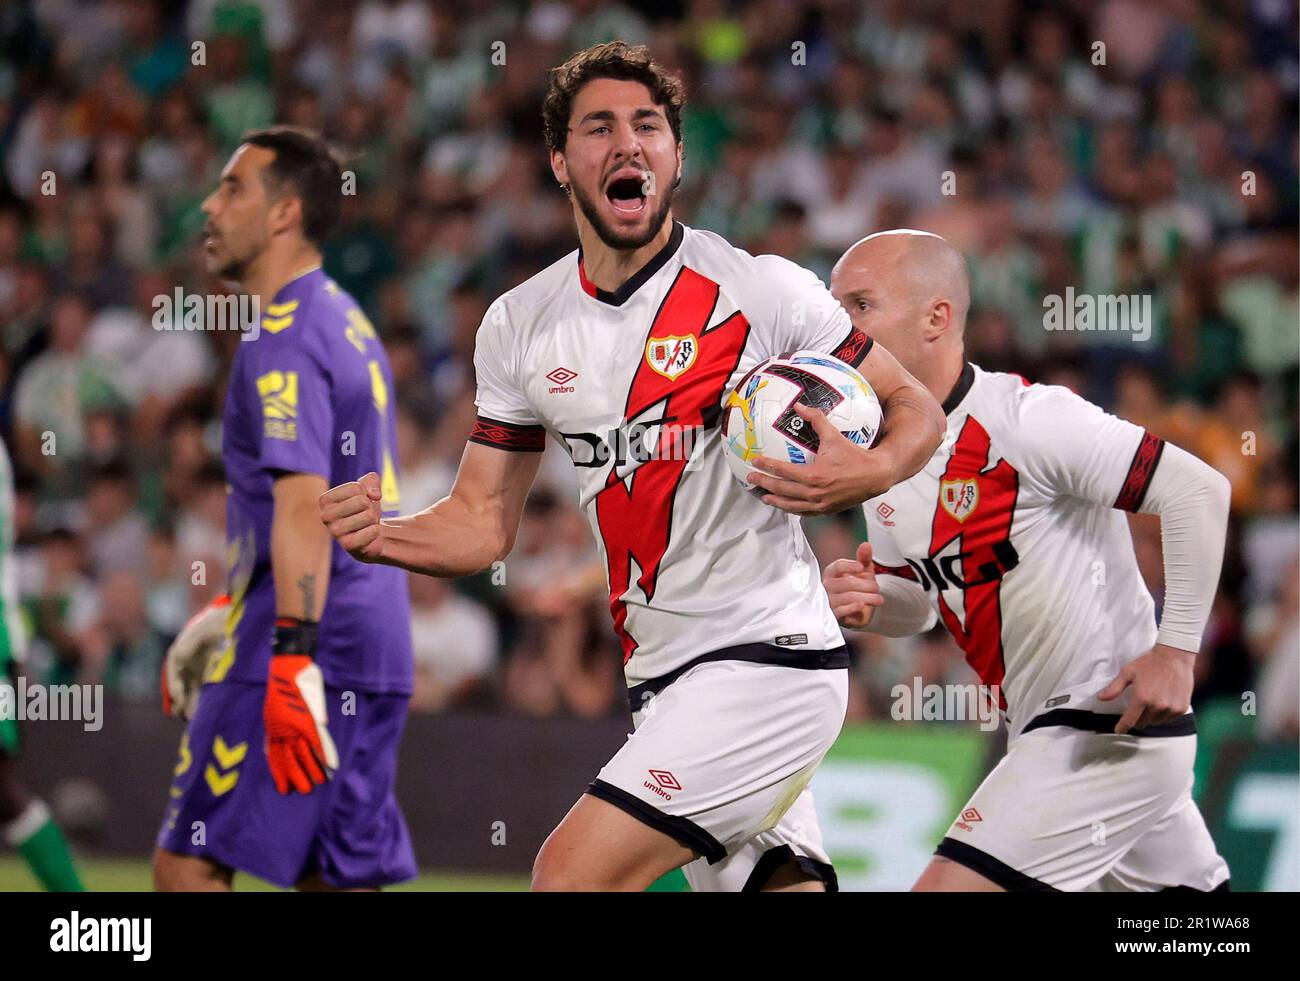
224	805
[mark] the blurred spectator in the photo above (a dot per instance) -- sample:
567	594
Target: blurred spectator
561	659
1279	650
62	604
57	390
201	522
120	649
128	343
427	475
171	596
1236	439
117	533
455	644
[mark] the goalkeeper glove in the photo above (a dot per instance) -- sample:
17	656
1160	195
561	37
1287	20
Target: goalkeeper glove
187	658
299	750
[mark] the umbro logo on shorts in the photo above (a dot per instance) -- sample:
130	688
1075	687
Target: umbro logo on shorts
969	817
664	781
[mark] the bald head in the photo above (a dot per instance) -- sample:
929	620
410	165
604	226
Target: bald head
908	290
922	266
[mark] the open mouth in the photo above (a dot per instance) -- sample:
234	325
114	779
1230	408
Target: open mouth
627	195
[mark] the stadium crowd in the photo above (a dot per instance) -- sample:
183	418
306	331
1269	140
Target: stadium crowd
1104	147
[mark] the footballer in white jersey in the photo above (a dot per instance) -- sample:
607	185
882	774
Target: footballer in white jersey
1014	537
631	385
622	353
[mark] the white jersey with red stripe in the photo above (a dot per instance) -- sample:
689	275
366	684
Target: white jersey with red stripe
631	384
1015	530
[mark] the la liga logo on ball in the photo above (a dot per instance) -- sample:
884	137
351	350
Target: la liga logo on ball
758	416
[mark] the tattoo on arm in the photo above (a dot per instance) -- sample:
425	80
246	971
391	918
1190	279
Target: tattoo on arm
308	586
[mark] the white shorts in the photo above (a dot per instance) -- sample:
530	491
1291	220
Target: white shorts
721	759
1079	811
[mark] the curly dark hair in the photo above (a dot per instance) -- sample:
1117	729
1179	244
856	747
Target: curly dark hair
616	59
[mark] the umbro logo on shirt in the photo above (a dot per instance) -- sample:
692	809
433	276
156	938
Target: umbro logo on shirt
885	512
561	377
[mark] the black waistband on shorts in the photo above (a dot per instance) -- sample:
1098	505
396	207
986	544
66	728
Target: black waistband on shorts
1184	725
837	657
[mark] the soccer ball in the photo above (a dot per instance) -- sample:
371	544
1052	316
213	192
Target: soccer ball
758	417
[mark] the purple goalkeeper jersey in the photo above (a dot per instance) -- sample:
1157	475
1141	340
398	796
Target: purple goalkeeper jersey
312	393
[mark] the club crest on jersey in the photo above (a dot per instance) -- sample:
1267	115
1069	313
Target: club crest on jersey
671	355
959	497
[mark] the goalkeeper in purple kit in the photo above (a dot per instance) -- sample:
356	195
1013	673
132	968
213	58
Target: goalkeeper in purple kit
287	766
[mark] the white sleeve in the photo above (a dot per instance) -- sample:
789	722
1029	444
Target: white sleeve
1072	447
802	314
907	609
1076	448
1192	499
505	419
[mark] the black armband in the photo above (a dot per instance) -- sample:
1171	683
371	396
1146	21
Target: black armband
294	636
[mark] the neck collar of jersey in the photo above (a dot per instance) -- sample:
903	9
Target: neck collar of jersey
959	390
637	279
300	274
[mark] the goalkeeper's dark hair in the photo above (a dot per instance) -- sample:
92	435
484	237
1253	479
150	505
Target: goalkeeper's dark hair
618	60
307	167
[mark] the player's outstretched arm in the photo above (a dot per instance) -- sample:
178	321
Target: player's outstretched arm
462	534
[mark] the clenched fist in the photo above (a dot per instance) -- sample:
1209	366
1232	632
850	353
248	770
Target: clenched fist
853	590
352	514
